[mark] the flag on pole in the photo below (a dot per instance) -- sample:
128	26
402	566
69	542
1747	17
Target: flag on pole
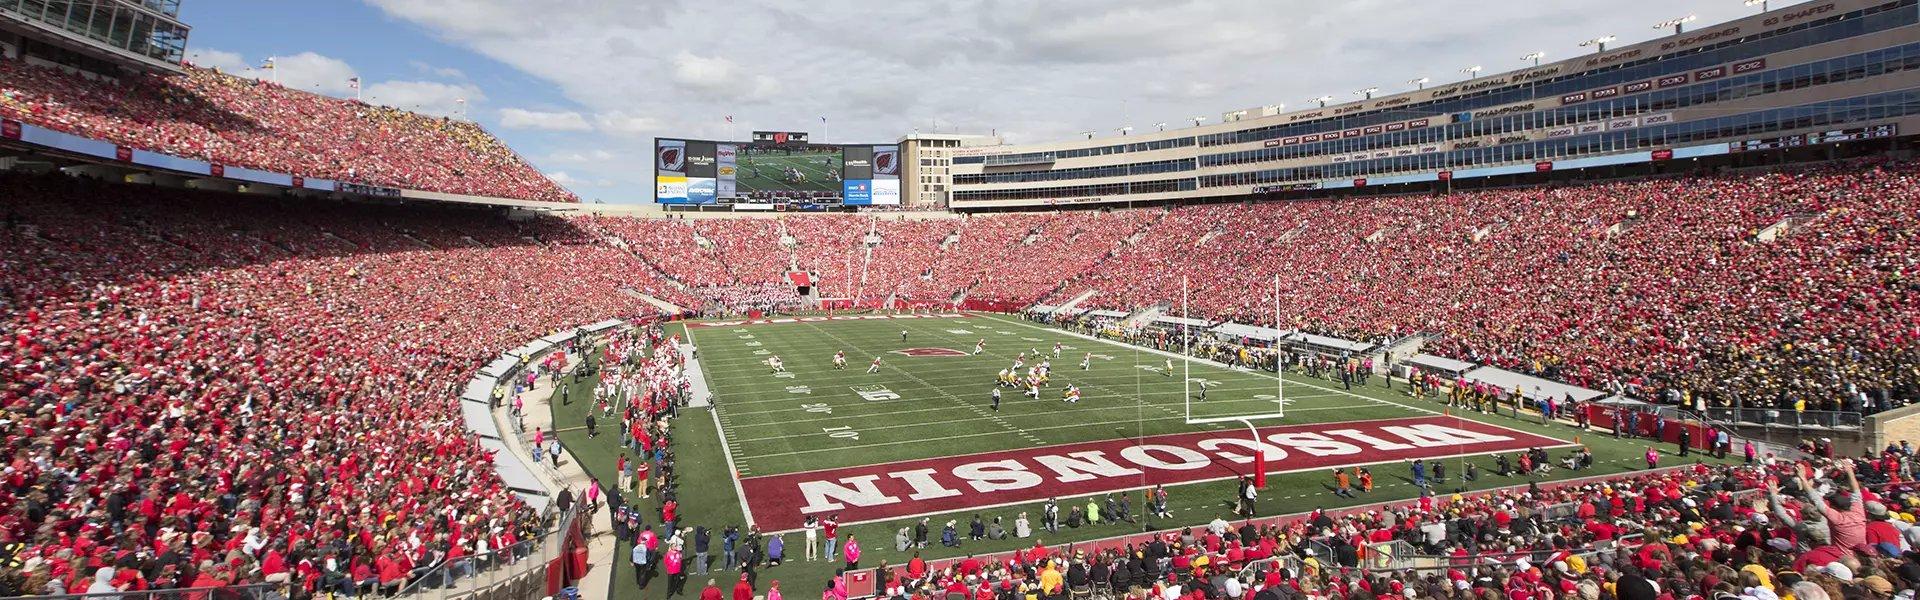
729	118
823	119
353	83
268	65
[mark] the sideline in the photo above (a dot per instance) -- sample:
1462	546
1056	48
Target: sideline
699	388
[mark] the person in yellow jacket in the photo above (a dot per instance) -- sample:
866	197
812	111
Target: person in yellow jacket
1093	510
1051	582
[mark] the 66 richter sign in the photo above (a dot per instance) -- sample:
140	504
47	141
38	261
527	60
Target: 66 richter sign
893	490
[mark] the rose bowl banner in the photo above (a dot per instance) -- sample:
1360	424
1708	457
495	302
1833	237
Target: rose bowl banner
912	488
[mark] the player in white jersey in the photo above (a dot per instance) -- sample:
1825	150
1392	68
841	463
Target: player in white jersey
1056	349
778	366
980	346
840	360
875	367
1086	362
1169	367
1072	395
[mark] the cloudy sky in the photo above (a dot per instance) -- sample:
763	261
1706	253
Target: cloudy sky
581	87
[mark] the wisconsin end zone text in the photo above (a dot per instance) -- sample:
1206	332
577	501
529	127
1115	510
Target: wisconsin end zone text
885	491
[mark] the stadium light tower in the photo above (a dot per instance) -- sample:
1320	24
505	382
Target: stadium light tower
1679	25
1420	83
1160	126
1760	3
1089	134
1366	93
1601	41
1472	72
1535	57
1323	100
1198	120
1125	130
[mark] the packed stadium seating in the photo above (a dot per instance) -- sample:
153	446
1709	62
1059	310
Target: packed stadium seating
1691	532
156	337
205	364
206	115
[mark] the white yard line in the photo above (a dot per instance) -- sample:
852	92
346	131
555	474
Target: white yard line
726	447
1204	362
969	420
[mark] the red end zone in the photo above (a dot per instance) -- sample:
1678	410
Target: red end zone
893	490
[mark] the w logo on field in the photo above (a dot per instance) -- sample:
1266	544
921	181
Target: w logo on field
930	352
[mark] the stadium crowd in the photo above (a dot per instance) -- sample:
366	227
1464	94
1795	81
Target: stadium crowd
200	387
1807	529
237	122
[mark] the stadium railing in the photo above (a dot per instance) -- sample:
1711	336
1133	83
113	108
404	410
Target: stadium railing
1776	417
258	591
523	570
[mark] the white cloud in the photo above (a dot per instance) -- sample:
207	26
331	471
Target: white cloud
430	97
518	118
442	72
226	62
574	157
621	123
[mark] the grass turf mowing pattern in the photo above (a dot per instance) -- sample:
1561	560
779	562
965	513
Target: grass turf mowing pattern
708	498
942	406
819	177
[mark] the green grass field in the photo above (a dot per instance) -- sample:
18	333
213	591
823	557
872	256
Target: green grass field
923	407
762	172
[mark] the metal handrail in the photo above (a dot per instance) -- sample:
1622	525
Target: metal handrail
528	557
257	591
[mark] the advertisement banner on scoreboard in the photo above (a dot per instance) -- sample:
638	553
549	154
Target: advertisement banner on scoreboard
701	190
670	189
857	191
858	163
727	158
670	157
886	192
700	159
886	162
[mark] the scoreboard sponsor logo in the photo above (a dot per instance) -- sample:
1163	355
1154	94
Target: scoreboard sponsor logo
672	158
886	162
1005	477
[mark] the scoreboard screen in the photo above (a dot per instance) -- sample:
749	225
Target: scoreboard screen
777	167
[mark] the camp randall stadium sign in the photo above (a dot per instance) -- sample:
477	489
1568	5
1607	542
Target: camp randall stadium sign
1006	477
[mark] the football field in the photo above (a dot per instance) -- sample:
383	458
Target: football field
920	439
